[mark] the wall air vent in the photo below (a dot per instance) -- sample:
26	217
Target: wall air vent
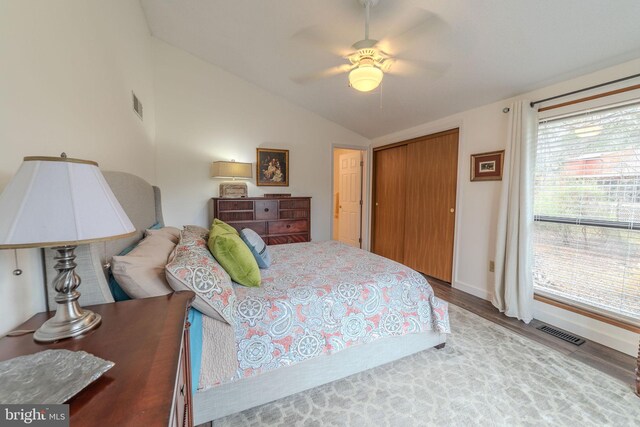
563	335
137	105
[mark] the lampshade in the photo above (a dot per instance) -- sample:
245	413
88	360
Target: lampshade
231	170
365	77
56	201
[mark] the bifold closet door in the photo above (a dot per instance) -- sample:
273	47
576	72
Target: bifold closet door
432	165
389	202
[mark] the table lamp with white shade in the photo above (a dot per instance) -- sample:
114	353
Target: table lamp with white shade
60	202
234	170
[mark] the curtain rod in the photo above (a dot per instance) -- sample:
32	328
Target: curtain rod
585	89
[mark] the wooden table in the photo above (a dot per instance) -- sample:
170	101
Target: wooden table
148	341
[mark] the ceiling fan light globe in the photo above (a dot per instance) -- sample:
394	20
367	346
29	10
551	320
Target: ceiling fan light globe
365	78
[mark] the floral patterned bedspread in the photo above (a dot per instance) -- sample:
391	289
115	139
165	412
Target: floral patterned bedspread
321	297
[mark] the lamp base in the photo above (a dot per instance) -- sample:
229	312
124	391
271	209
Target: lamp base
70	320
56	329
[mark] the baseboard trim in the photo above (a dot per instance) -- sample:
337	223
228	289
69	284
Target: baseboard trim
586	327
594	330
473	290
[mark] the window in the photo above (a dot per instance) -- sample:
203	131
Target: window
587	211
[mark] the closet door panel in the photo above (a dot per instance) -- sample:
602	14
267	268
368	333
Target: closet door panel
430	212
389	202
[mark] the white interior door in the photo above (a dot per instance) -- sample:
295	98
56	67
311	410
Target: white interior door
350	195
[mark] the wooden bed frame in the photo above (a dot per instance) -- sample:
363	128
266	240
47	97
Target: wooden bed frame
141	201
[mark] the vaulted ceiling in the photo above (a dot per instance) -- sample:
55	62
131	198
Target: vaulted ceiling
453	54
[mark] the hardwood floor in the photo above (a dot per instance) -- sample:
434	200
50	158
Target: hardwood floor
605	359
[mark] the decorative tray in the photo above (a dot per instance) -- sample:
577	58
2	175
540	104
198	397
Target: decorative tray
48	377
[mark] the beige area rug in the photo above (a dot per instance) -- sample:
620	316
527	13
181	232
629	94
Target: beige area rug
485	376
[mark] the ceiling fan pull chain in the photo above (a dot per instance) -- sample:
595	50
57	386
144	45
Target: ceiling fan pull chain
18	270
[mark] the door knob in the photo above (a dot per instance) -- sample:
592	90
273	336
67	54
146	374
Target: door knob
452	210
376	203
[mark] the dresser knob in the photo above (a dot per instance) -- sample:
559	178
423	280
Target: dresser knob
266	209
288	225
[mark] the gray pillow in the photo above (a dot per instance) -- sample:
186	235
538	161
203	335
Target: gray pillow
258	247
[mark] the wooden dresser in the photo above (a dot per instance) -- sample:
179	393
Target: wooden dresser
276	220
150	383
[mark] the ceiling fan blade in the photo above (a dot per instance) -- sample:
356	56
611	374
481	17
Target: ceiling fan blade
387	64
412	67
416	27
322	40
319	75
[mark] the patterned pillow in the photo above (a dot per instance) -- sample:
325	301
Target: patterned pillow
196	229
258	248
194	268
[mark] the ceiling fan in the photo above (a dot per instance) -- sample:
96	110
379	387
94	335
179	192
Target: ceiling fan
368	62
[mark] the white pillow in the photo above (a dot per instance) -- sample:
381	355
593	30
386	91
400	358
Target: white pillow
140	273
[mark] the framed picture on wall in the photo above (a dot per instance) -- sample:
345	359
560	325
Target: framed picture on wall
272	167
487	166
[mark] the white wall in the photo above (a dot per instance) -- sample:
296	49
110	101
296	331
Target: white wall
484	129
68	69
206	114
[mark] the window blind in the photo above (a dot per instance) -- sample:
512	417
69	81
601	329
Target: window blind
587	211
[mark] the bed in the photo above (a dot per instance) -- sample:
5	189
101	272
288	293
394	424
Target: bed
323	312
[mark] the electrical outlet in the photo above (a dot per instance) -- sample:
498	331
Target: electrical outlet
492	266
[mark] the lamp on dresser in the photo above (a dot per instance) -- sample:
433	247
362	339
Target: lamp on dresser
61	202
234	170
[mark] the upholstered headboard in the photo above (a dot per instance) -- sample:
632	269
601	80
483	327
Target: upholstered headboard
141	201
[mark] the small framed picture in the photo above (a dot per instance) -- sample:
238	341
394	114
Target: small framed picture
487	166
272	167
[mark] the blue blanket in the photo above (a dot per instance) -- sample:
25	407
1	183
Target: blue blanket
195	338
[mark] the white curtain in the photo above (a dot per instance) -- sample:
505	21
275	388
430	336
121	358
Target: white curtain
513	293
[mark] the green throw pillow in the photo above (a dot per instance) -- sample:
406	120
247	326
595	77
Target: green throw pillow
225	226
234	256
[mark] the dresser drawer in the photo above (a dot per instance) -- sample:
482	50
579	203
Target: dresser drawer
286	227
294	204
258	227
293	214
266	209
293	238
235	205
232	216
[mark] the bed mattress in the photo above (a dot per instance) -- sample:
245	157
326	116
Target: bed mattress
321	297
